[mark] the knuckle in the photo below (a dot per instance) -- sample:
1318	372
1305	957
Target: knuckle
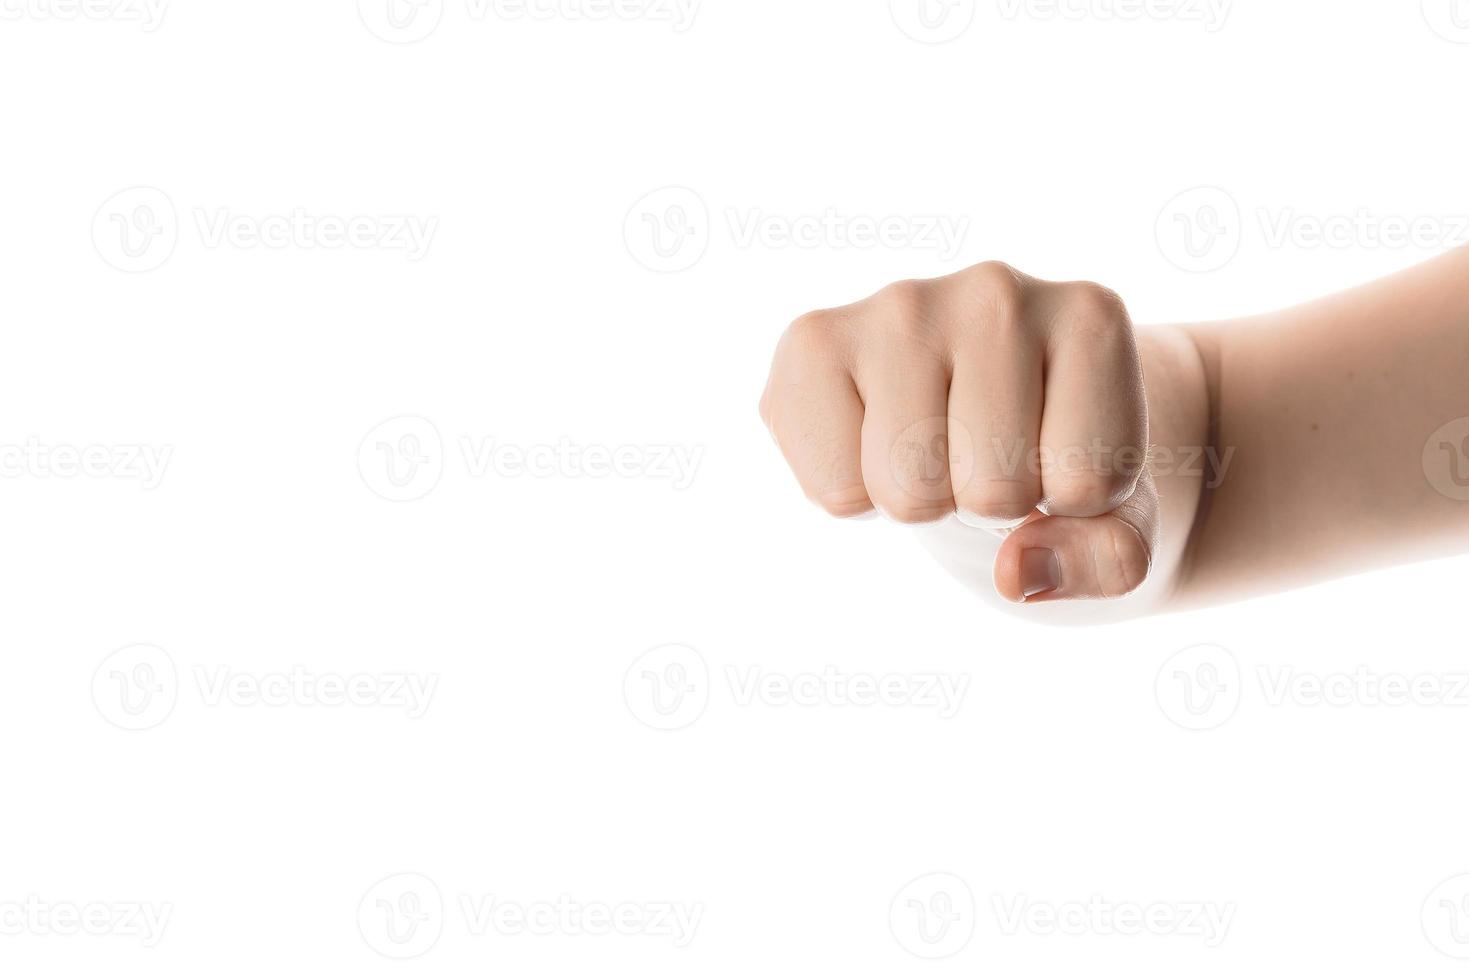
1094	308
1086	492
904	296
998	280
842	501
1129	564
813	331
913	511
995	292
903	311
997	500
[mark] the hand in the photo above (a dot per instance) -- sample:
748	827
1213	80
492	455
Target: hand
1015	403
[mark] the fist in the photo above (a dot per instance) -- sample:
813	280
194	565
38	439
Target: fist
1005	402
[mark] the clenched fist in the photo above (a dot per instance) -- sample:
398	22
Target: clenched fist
1014	403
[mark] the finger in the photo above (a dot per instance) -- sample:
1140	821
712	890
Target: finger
995	403
812	409
1104	557
905	437
1094	431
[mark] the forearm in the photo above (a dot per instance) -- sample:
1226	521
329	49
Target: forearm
1325	416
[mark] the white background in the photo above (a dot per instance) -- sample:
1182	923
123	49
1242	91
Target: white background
262	827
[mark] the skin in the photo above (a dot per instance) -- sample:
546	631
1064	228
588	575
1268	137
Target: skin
1007	418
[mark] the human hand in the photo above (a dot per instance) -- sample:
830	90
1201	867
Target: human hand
1015	403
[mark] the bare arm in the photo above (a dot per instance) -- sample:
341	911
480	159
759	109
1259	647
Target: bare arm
1282	449
1327	410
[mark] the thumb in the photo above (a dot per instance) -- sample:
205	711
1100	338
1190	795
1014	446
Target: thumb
1106	557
